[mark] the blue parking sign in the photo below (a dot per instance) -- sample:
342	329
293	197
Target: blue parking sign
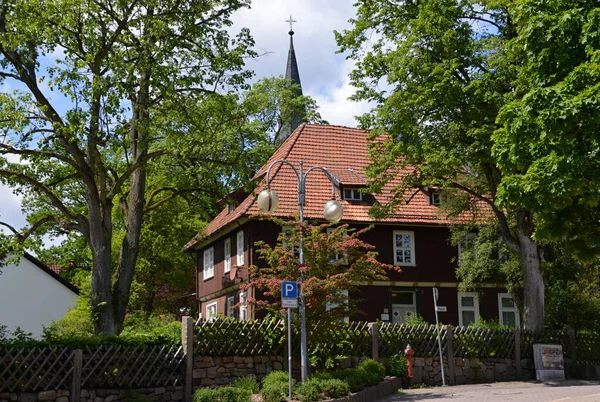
289	294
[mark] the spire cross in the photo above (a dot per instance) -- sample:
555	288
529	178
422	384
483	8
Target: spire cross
291	21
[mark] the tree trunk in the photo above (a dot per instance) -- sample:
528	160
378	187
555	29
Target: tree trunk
533	280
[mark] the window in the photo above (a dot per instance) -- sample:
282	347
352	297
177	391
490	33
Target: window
230	311
352	194
508	313
209	263
243	306
467	245
404	305
468	308
211	311
337	258
240	248
435	198
404	248
330	305
287	232
227	252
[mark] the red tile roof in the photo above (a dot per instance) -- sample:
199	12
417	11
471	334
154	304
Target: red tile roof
341	150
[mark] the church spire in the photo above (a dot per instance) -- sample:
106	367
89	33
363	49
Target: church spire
292	74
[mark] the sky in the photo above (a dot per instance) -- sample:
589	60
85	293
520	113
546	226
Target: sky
323	72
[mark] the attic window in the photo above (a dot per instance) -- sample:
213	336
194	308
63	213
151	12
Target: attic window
231	207
435	198
352	194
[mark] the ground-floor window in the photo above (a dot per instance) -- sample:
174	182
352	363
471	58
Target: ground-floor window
230	303
468	308
211	311
404	305
508	313
243	306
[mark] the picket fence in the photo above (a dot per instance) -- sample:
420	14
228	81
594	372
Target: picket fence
34	369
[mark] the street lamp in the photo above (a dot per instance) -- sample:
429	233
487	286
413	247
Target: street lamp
268	201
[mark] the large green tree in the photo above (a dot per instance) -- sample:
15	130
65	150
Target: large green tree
440	73
104	91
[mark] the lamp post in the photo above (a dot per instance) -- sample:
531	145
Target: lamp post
268	201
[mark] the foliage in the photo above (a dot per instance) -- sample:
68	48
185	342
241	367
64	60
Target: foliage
134	89
334	388
327	277
415	319
487	324
371	371
275	386
308	391
319	387
352	377
222	394
494	103
396	365
247	383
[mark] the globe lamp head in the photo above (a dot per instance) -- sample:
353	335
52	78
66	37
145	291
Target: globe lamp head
267	200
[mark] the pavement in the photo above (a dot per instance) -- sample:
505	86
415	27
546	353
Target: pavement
515	391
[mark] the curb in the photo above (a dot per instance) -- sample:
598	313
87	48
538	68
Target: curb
388	386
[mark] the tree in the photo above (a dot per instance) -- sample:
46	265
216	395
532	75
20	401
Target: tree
439	74
548	144
128	78
334	263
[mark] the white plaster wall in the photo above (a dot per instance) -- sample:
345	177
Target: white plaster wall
30	298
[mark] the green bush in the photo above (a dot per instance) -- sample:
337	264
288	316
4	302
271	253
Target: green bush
275	377
275	392
247	383
334	388
309	391
397	365
351	377
371	371
222	394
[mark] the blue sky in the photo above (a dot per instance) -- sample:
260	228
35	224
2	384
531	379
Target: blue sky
323	72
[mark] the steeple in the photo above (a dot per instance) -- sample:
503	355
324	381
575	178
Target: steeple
292	74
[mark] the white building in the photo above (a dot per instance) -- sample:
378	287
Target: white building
32	295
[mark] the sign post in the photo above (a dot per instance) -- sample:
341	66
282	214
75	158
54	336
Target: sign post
289	300
437	327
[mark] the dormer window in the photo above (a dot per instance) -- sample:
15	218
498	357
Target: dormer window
231	207
435	198
352	194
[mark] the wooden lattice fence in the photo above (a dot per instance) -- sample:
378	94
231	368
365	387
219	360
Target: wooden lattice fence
393	339
588	348
239	338
125	366
472	342
556	337
35	369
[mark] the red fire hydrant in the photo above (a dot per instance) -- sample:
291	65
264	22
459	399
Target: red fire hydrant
409	352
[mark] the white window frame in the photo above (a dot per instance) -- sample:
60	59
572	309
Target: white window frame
337	259
435	198
211	315
469	238
355	194
411	248
513	309
229	310
243	307
462	308
240	247
285	244
331	305
209	263
227	255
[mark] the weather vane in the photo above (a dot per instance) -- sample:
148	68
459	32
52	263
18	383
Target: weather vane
291	21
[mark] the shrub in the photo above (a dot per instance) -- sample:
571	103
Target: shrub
275	377
247	383
309	391
334	388
397	365
275	392
222	394
371	371
351	377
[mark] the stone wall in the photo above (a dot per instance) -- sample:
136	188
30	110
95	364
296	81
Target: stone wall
427	370
214	371
161	394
